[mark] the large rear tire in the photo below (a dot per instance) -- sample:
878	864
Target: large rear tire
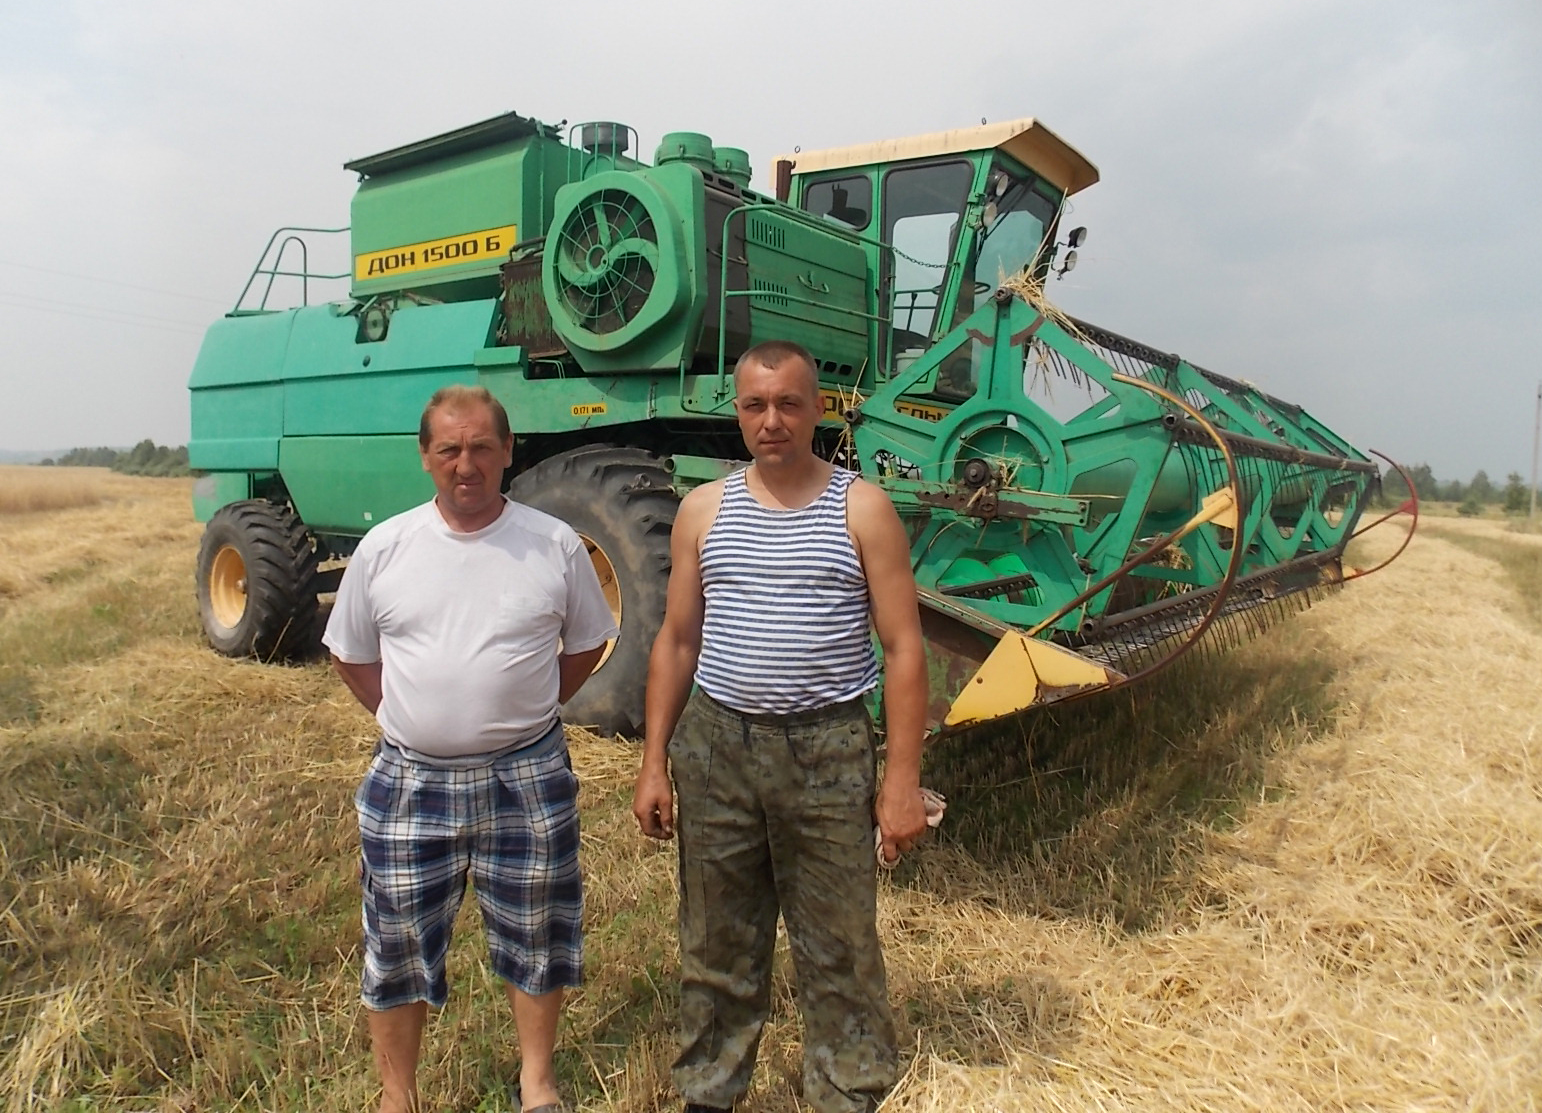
622	505
257	582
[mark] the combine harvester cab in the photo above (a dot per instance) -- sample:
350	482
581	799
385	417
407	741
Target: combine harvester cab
1081	507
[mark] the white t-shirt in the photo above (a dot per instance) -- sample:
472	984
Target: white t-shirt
467	626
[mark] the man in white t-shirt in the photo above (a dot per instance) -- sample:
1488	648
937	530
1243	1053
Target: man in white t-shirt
462	625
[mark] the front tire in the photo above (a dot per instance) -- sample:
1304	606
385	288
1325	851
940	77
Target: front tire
621	503
257	582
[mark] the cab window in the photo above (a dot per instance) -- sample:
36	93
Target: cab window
922	207
847	201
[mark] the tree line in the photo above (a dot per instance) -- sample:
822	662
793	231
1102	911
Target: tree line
1471	497
145	458
149	458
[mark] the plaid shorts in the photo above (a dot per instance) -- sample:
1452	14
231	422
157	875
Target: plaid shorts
513	827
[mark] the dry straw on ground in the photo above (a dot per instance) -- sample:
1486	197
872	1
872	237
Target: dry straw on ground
1303	877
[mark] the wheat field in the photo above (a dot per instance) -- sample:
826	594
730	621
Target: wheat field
1303	876
25	489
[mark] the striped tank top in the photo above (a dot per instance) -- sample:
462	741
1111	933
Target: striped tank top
787	626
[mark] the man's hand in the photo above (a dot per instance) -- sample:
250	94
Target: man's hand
653	803
901	816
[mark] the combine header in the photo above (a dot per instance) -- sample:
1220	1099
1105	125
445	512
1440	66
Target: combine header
1082	508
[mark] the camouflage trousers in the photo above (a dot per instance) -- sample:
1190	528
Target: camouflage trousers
776	814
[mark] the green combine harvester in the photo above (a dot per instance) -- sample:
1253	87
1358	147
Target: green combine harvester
1082	508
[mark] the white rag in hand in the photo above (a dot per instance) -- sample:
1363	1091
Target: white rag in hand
935	804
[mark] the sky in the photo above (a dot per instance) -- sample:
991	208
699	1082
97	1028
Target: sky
1337	201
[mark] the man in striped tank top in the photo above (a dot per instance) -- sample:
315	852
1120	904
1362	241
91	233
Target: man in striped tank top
781	573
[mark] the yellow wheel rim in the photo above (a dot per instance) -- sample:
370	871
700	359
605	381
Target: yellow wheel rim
227	587
610	585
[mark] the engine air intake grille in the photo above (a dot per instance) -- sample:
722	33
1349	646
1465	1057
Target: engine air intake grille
607	259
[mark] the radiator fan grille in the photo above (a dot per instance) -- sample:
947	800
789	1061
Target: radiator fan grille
607	261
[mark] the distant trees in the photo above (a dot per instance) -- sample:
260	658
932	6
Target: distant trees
149	458
1517	495
1470	497
1423	482
145	458
89	458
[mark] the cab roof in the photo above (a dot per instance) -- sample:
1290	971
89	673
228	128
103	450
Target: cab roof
1026	140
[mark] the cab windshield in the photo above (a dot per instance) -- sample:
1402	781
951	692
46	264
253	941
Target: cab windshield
1019	213
1011	237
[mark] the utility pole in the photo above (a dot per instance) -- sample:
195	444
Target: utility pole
1536	438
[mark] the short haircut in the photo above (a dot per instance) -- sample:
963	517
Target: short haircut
454	397
771	354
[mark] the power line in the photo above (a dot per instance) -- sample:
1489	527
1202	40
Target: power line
68	310
99	309
109	282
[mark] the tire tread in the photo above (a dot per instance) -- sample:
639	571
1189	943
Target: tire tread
281	574
631	490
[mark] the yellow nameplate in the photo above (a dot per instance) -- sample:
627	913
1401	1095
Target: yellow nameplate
834	406
916	409
486	246
588	409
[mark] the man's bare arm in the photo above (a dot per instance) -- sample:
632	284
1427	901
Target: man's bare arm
362	680
575	668
884	550
672	664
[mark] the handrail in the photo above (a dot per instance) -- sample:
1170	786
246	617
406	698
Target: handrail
304	274
588	157
786	212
